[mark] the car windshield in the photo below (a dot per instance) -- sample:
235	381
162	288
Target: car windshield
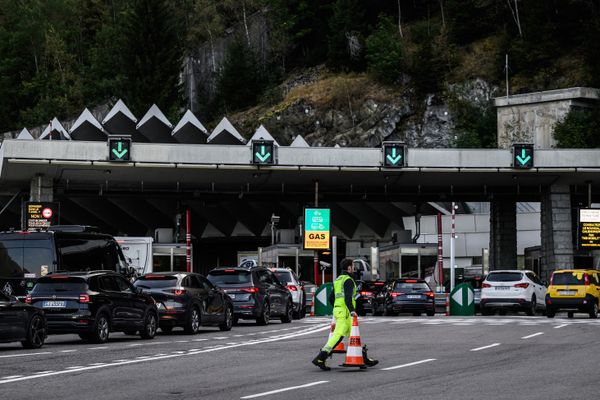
59	286
415	287
155	281
225	277
567	278
504	277
284	276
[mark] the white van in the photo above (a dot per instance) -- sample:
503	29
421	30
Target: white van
138	251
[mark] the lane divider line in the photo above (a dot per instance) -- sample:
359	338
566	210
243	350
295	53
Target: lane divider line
26	354
252	396
408	365
311	330
486	347
68	351
532	335
561	326
11	377
98	348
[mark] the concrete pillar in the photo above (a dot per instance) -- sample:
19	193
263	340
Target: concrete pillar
41	188
503	234
557	235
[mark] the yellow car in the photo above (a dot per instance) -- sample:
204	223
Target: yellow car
573	290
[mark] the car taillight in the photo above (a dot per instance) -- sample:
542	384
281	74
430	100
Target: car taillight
292	288
396	294
28	299
365	293
84	298
250	290
179	292
586	279
486	285
430	294
522	285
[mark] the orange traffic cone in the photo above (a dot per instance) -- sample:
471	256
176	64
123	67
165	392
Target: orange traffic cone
340	348
354	354
312	307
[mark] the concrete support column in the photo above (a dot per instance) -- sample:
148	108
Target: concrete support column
41	188
557	235
503	234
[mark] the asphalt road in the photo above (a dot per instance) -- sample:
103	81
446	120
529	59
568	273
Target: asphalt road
503	357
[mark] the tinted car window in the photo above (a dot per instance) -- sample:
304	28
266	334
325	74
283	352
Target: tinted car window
284	276
77	254
504	276
229	277
46	286
205	283
155	281
567	278
192	282
108	283
418	286
18	257
122	284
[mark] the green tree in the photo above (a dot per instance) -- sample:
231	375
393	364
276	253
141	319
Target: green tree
475	122
153	56
345	47
385	54
579	129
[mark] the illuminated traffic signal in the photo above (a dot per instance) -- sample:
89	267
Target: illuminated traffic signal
119	149
523	155
263	152
394	154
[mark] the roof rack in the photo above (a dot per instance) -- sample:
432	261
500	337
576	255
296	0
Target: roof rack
74	228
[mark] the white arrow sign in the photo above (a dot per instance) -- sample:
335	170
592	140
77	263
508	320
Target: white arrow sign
322	296
457	297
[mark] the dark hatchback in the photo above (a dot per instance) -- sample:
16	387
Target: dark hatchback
407	296
93	305
187	300
21	322
367	291
256	293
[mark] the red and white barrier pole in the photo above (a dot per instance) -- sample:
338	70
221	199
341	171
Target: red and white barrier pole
188	240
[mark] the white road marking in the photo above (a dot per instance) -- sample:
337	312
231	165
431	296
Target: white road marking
182	341
532	335
199	340
96	364
486	347
68	351
308	331
98	348
159	355
11	377
561	326
408	365
221	337
252	396
75	367
26	354
238	335
43	372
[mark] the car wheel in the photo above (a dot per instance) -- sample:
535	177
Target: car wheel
131	333
166	329
150	323
192	325
550	313
228	322
570	314
486	311
289	309
430	313
594	310
36	333
101	329
264	316
531	310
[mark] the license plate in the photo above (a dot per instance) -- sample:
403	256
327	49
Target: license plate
413	296
54	304
567	292
502	287
232	295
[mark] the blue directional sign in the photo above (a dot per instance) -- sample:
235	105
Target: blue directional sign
394	154
263	152
523	155
119	149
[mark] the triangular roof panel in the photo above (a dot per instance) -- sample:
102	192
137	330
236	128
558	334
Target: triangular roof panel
190	130
155	112
299	142
155	127
189	118
262	134
25	135
225	133
55	131
87	127
119	107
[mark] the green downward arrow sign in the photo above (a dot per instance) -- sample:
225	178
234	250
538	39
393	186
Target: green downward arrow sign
262	156
523	158
393	158
120	153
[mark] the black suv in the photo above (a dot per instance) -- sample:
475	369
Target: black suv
256	293
21	322
188	300
27	256
92	304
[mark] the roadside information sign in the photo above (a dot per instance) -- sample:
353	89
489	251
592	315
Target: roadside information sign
40	215
589	228
462	300
316	228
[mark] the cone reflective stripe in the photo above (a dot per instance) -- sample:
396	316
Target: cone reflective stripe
354	355
312	307
340	347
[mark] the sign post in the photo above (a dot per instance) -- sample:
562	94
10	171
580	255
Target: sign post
588	232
